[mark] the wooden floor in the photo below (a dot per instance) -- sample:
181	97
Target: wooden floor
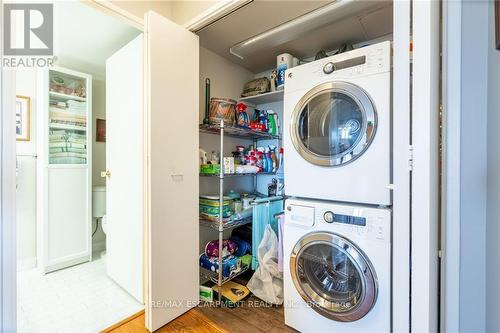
253	316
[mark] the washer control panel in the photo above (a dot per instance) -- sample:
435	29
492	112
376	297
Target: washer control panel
357	223
352	221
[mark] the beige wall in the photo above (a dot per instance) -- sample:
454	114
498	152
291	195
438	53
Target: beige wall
184	11
98	150
178	11
138	8
226	78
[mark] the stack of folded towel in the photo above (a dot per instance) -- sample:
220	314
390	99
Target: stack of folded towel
74	114
66	147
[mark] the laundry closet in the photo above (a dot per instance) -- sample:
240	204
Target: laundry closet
342	169
344	180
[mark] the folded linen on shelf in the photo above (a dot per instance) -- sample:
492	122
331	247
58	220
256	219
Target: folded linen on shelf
53	150
64	135
69	154
67	160
68	115
67	144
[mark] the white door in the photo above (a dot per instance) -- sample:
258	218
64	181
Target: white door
172	108
124	161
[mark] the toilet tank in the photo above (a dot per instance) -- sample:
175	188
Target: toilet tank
98	201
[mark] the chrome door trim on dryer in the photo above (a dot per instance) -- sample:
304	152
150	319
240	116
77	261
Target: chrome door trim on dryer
368	126
336	310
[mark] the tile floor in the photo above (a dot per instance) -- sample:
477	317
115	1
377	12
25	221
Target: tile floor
78	299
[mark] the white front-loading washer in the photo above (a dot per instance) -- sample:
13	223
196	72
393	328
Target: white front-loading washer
337	267
337	127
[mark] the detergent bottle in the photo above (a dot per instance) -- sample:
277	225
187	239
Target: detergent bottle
271	122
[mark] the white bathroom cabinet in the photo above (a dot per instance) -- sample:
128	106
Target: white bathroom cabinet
64	168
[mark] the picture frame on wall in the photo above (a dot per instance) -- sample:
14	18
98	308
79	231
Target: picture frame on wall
497	24
100	133
22	118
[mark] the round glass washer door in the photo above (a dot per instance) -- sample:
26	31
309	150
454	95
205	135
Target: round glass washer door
333	124
333	276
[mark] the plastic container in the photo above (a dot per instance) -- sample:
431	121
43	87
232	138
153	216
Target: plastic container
210	169
222	109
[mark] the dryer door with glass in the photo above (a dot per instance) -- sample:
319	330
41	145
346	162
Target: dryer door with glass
333	124
333	276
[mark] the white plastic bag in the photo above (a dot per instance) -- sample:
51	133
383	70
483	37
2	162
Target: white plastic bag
267	281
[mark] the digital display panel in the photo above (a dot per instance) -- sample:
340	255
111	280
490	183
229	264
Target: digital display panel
348	219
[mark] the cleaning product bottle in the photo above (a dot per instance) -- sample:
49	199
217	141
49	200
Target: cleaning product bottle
242	118
281	165
274	158
271	163
263	120
260	159
268	161
271	122
277	122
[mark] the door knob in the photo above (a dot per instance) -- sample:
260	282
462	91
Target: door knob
105	174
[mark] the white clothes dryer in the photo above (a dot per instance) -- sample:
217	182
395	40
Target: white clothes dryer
337	127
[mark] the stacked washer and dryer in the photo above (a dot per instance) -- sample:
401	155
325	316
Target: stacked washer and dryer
337	235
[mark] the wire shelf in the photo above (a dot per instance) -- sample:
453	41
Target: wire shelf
216	175
214	276
227	225
237	132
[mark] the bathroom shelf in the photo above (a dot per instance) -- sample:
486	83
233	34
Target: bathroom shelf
226	175
67	127
214	276
226	225
237	132
66	97
269	97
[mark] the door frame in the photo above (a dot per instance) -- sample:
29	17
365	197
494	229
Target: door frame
450	229
8	264
425	193
401	141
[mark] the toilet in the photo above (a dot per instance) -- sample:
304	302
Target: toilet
99	208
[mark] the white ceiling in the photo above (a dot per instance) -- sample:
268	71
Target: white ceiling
84	37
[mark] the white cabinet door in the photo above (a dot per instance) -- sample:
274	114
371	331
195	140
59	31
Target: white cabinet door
172	103
124	161
64	169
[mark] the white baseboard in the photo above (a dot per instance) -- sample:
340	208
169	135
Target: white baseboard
99	246
26	264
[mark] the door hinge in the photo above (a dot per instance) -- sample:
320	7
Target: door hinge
410	157
440	254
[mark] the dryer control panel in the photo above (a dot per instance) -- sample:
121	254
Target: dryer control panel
360	62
